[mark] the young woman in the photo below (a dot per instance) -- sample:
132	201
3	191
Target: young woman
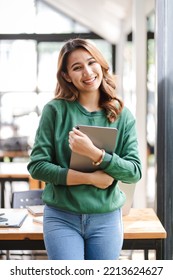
82	216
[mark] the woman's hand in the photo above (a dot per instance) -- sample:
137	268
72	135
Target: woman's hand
98	178
81	144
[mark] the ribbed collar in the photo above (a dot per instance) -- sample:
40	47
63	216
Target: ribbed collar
86	112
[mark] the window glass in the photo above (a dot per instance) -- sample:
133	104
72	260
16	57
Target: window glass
128	77
43	98
47	65
18	114
17	65
18	104
105	48
151	23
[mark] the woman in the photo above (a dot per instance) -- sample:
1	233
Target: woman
82	216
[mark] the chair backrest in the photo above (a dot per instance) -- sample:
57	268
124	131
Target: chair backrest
21	199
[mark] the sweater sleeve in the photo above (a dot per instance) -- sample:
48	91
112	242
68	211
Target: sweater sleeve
41	165
125	165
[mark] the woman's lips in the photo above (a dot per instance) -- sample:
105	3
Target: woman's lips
89	81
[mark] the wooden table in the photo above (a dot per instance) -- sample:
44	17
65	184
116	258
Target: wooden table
15	171
142	231
13	154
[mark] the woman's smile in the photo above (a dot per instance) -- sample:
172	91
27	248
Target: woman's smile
89	81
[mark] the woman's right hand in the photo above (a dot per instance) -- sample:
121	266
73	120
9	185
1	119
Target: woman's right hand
100	179
81	144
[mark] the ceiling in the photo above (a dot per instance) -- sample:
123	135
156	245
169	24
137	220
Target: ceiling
103	17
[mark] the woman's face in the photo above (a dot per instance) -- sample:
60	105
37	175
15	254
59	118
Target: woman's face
83	71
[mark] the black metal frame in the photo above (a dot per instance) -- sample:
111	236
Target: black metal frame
53	37
146	245
129	244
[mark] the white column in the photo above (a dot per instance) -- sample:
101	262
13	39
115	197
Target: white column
120	59
139	39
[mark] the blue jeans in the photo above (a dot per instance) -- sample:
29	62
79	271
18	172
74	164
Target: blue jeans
71	236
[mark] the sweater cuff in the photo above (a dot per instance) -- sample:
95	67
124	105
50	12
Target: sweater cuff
62	176
106	160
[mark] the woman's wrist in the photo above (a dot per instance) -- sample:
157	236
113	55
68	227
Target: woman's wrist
100	159
96	154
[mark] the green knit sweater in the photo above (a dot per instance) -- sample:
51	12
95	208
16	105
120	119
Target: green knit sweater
50	157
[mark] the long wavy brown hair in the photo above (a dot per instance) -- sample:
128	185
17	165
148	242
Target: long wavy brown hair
109	100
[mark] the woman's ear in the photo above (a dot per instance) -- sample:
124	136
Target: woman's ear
66	77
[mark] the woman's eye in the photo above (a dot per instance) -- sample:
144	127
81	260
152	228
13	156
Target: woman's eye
92	62
76	68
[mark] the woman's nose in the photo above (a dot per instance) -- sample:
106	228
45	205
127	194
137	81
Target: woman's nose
87	71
